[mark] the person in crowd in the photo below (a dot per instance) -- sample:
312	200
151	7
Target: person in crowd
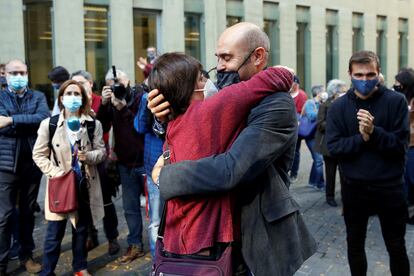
299	97
57	76
368	130
336	88
259	158
152	150
404	83
21	111
70	147
129	148
110	221
146	64
3	80
310	110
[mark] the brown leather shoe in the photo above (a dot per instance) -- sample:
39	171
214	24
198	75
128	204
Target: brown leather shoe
113	247
31	266
131	254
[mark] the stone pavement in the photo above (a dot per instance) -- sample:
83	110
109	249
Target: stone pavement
325	222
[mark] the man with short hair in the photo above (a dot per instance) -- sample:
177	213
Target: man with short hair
257	163
368	130
129	148
21	111
57	76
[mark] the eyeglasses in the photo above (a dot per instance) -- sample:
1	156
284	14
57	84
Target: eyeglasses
15	73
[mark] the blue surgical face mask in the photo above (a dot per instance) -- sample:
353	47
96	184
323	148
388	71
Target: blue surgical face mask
17	82
56	86
364	87
72	103
73	123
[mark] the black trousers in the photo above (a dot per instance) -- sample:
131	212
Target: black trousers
22	189
362	200
331	164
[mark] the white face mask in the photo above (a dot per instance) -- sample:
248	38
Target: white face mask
323	96
209	89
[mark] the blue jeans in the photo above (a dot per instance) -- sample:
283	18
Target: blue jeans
53	240
316	174
154	213
132	186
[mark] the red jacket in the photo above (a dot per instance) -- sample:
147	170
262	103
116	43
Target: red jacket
210	127
300	100
96	103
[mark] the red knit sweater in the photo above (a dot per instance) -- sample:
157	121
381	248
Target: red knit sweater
210	127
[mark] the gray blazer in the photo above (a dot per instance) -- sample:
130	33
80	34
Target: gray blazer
275	240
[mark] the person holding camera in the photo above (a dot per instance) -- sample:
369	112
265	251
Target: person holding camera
120	103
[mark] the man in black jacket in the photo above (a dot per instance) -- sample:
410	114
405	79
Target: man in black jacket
275	240
367	129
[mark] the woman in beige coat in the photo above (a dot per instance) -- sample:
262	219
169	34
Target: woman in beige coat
69	154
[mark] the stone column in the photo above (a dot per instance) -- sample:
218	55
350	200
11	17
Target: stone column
318	45
69	34
11	30
288	27
122	36
253	12
173	26
345	42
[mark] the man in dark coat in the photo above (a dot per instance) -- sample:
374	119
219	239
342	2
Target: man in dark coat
275	240
21	111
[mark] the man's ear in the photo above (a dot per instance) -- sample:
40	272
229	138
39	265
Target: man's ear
260	55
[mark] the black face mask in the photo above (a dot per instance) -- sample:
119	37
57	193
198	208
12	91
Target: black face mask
398	88
226	78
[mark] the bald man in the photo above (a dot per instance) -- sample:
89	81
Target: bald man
21	111
275	240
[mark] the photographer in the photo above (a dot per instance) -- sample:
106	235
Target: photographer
119	105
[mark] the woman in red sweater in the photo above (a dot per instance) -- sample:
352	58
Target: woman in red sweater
201	128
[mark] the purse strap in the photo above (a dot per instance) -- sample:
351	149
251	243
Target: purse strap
167	161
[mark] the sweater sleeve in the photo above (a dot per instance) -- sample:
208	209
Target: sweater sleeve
340	145
235	101
395	140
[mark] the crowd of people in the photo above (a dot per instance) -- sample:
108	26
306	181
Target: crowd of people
216	160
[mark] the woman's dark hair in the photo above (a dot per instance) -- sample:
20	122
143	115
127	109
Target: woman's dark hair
175	76
406	78
85	107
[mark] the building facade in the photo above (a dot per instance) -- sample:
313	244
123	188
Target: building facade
316	37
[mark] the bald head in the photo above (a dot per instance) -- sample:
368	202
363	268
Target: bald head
244	48
15	63
248	35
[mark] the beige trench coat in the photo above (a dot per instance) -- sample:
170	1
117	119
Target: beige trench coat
62	149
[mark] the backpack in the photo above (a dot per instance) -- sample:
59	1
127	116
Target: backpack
90	126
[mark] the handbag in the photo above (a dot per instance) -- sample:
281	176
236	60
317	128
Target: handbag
188	265
307	128
62	193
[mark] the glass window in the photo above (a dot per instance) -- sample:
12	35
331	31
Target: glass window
402	43
271	28
357	32
192	35
38	43
382	42
145	35
96	43
231	20
331	45
303	70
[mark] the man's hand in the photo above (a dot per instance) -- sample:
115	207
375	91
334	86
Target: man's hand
106	95
157	169
119	104
141	63
366	123
158	106
5	121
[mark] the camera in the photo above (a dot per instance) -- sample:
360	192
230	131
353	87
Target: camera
118	88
